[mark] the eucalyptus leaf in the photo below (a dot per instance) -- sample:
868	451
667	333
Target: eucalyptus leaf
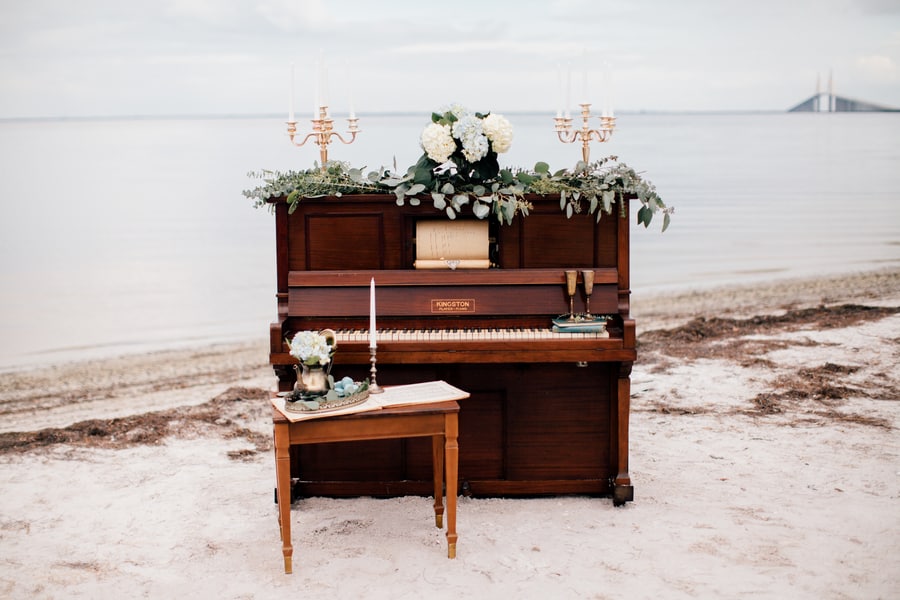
608	197
509	211
644	215
460	200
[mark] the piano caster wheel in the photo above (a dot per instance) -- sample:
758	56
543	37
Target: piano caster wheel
622	494
581	364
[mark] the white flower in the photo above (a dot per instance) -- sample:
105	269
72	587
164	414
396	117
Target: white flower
469	131
310	348
459	111
499	131
438	143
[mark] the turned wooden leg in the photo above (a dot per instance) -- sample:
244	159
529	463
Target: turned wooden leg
437	462
283	481
451	457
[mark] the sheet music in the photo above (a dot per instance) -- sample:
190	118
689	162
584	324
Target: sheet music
393	396
419	393
440	244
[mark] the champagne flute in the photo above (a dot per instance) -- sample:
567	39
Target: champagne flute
588	277
571	288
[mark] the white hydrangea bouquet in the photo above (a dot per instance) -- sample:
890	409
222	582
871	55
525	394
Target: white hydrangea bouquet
466	141
311	348
459	165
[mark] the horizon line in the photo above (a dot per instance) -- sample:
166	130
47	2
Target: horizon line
388	113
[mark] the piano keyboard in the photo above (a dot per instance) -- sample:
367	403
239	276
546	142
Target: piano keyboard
435	335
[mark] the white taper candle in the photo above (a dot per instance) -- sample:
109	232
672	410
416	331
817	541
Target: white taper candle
291	106
372	342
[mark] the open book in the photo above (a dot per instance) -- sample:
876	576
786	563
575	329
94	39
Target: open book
393	396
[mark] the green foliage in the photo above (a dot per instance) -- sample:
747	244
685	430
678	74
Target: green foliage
485	188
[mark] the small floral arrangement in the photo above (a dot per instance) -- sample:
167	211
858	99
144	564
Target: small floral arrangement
311	348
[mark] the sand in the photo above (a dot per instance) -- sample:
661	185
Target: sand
764	454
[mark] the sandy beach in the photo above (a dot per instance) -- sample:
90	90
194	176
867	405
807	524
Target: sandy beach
764	455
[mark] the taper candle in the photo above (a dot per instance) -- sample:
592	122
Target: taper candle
372	342
291	107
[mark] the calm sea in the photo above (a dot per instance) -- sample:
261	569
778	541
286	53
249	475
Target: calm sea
132	235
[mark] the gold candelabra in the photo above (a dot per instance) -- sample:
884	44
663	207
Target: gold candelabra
568	135
323	131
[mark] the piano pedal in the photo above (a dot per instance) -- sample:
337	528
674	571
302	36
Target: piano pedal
293	493
465	490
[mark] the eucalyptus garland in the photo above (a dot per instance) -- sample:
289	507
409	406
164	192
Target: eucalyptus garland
593	188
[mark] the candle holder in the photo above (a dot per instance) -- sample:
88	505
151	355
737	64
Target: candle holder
374	388
322	132
567	135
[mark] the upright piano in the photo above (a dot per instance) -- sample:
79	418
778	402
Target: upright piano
548	412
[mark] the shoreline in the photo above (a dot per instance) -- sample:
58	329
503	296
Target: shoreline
61	394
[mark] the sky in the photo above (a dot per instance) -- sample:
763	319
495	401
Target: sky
60	58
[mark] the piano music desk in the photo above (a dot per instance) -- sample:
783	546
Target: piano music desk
436	420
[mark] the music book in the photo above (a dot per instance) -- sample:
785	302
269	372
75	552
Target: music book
393	396
452	245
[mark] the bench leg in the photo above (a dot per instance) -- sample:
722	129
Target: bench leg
283	481
451	456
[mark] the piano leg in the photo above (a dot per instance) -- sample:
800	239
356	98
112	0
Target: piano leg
623	491
283	479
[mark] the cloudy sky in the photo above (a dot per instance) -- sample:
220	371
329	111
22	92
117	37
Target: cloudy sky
192	57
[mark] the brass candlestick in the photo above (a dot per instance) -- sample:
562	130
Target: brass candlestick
567	135
374	388
571	288
323	131
588	277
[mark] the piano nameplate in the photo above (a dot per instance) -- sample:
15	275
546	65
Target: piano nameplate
452	305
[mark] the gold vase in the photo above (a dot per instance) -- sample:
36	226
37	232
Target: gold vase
312	380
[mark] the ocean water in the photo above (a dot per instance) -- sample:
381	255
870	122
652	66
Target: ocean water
131	235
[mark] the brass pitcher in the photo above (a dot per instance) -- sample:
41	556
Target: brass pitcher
313	380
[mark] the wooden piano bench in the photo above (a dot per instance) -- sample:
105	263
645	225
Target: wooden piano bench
436	420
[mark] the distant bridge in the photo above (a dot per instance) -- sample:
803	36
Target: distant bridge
833	103
830	102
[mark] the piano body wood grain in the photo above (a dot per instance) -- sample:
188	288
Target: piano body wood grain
548	413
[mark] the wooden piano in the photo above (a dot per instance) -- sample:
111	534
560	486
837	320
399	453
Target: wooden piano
548	413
